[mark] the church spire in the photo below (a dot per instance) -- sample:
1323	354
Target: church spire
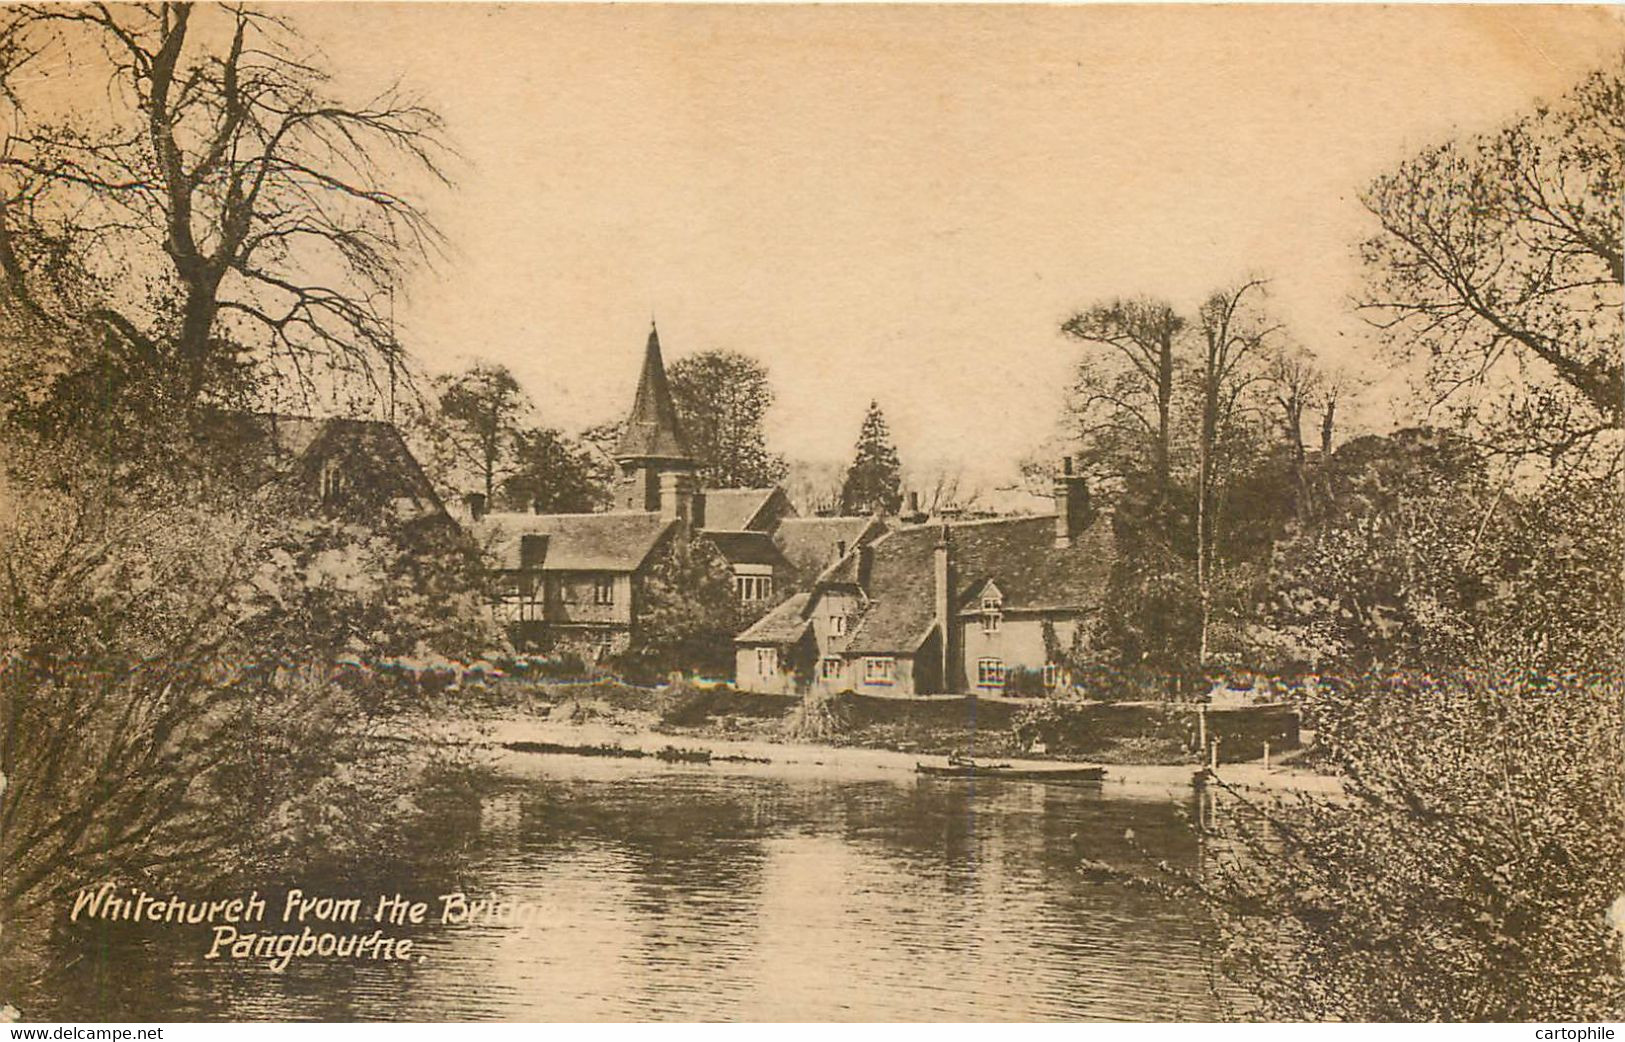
652	431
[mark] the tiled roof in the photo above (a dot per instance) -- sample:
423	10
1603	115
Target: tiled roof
785	624
809	543
652	430
745	547
1017	553
735	509
901	589
616	542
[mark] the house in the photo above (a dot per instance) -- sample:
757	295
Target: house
940	607
574	580
571	579
351	469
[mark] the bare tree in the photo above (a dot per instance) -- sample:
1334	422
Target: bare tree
1500	258
246	215
1234	342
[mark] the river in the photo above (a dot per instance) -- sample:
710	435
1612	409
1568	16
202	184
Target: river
680	892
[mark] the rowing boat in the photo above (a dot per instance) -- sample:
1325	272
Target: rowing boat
1009	773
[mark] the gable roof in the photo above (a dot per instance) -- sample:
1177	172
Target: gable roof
738	509
381	470
745	547
652	430
616	542
809	543
1018	554
785	624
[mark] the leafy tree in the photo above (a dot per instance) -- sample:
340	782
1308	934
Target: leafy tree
478	424
722	398
553	474
1465	873
1123	402
189	610
234	207
1387	566
687	613
874	481
1498	260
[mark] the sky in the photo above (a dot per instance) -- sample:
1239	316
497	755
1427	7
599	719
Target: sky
904	203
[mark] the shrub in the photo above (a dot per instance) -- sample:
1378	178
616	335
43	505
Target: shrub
822	715
1021	682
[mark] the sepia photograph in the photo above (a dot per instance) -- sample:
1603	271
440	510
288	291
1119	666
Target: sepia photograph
911	513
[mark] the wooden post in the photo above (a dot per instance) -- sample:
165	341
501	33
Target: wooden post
1266	755
1201	726
1214	764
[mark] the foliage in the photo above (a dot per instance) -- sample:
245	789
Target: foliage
1020	682
475	426
722	398
874	480
1499	262
1122	404
554	474
687	613
1465	874
822	715
156	723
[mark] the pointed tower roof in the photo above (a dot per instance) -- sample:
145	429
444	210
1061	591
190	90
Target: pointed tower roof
652	431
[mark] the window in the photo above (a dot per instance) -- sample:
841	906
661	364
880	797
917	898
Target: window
516	598
603	591
767	662
992	612
750	588
837	625
333	481
1054	675
830	668
879	670
990	672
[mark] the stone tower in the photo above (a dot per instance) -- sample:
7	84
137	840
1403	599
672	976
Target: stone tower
656	470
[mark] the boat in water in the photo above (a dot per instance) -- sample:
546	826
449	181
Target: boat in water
958	768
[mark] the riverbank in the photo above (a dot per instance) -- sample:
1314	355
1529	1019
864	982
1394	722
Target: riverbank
521	741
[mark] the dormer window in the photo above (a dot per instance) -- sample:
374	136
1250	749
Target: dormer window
992	612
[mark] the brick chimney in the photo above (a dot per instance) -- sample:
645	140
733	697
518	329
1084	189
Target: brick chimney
1071	504
942	588
912	514
677	496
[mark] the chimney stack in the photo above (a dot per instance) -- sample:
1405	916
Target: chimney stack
677	496
475	502
532	551
912	515
1071	504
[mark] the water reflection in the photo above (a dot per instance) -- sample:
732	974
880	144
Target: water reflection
698	893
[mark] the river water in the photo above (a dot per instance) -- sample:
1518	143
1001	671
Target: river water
677	892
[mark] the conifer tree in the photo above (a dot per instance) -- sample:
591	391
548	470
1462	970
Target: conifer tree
874	481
